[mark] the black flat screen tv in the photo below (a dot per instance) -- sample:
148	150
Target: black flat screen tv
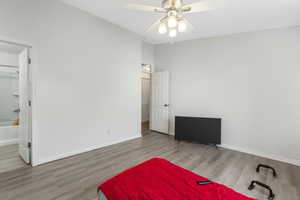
199	130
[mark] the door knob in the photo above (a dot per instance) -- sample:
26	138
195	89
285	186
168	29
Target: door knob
166	105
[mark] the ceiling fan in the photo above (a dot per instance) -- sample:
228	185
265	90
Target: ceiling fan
173	21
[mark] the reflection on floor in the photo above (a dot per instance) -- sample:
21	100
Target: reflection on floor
145	128
10	159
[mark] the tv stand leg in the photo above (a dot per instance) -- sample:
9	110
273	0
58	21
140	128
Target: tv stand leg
214	145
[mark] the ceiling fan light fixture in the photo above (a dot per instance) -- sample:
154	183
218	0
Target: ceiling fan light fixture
172	21
178	3
173	33
162	29
182	26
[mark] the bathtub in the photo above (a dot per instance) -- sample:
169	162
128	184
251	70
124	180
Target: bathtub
8	133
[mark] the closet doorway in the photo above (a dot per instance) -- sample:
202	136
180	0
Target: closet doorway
146	96
15	106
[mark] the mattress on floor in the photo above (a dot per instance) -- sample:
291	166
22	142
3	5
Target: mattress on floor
101	195
158	179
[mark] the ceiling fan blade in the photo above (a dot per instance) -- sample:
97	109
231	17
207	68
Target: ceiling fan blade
155	25
201	6
145	8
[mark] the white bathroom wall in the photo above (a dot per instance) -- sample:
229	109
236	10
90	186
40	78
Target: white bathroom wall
8	101
9	59
8	86
250	80
8	134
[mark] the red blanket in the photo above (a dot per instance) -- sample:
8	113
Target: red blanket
158	179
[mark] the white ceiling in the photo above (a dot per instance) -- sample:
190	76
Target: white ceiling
234	16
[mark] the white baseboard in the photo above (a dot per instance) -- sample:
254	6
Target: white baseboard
259	153
226	146
73	153
9	142
262	154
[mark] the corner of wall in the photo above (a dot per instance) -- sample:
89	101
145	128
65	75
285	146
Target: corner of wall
261	154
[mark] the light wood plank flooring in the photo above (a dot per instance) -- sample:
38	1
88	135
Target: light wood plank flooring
77	177
10	159
145	128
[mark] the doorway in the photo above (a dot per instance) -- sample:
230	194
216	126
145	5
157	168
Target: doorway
15	106
146	97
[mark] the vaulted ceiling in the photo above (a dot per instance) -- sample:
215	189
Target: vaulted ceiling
234	16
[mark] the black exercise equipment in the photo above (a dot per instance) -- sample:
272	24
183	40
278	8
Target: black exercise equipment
254	183
267	167
271	194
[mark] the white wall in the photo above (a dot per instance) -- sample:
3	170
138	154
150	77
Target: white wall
8	102
9	59
148	54
8	86
251	80
86	77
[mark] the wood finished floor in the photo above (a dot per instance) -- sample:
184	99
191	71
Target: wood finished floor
77	177
10	159
145	128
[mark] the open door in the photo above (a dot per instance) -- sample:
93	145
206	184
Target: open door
24	143
160	102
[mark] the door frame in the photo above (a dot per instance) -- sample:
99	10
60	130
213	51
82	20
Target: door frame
31	85
143	71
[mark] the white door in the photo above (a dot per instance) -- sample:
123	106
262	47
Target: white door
160	102
24	149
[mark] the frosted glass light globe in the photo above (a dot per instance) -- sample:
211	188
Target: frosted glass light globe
182	26
162	29
173	33
172	21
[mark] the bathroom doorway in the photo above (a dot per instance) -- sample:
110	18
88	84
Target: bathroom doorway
15	106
